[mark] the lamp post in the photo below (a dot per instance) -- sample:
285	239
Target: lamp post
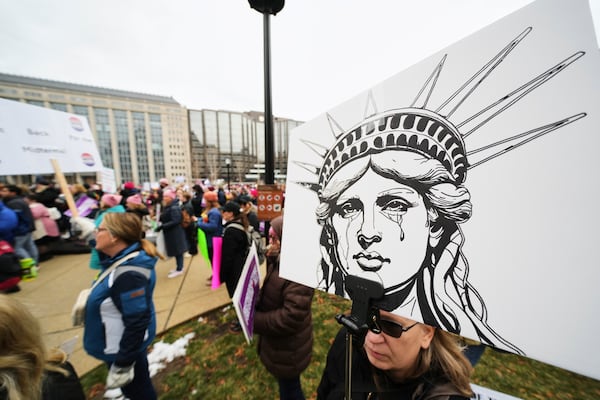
228	166
267	7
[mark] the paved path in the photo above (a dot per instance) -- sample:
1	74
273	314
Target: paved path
51	295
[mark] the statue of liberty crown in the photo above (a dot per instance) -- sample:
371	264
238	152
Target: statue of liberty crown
430	133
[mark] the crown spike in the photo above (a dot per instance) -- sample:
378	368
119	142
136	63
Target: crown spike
314	187
430	83
508	100
528	137
320	150
370	106
313	169
336	129
473	83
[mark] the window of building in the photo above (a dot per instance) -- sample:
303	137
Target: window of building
122	132
104	136
156	136
141	146
224	133
81	110
58	106
38	103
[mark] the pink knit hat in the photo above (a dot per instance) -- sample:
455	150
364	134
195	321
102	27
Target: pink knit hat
135	199
169	193
111	200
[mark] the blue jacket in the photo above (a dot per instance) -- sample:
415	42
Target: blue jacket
214	226
120	320
8	222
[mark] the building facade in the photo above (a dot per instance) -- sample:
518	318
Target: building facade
145	137
230	145
142	137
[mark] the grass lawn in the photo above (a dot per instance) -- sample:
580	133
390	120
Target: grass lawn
221	365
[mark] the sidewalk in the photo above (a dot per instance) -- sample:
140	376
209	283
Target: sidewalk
51	295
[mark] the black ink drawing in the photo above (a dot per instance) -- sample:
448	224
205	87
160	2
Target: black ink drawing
392	197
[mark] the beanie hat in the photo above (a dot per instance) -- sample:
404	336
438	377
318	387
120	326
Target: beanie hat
129	185
111	200
163	181
135	199
211	196
169	193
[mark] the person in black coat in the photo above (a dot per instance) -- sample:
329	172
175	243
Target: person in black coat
235	245
170	224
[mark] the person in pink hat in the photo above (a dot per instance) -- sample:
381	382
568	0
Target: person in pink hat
109	203
135	204
170	224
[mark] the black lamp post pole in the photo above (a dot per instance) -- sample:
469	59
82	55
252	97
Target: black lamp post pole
266	8
228	165
269	150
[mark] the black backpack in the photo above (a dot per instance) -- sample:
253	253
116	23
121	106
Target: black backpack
253	237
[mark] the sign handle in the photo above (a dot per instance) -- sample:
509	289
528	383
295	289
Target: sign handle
60	177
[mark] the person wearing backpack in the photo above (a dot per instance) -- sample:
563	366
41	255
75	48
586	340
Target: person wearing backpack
283	322
250	209
236	243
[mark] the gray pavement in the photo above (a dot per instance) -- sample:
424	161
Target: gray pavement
52	294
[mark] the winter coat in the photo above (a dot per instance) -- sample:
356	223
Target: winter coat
120	320
332	385
40	212
283	321
213	227
233	255
21	208
56	386
8	222
170	219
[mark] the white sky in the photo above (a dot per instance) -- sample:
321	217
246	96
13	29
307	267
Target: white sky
209	54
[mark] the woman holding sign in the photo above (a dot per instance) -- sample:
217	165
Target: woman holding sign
283	321
400	359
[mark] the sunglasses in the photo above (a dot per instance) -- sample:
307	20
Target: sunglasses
391	328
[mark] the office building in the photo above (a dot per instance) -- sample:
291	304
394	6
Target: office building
142	137
145	137
230	145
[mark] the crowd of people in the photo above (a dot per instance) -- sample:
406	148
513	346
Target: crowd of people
44	225
394	358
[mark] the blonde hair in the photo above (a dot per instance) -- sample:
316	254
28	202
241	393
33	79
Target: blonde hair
128	228
22	351
445	357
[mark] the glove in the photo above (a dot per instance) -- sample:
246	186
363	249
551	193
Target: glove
119	376
158	228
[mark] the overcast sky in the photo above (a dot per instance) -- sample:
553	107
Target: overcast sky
209	53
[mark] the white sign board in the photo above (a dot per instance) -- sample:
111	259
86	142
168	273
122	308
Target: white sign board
31	136
246	292
466	186
107	178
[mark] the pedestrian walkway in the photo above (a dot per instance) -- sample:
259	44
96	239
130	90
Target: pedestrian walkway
51	295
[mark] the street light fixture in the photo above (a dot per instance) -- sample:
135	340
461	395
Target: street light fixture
228	166
267	7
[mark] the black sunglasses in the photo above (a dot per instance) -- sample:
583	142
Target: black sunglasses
390	328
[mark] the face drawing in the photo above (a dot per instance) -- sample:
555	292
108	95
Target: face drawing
382	229
392	196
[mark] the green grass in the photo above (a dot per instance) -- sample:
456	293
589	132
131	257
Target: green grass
221	365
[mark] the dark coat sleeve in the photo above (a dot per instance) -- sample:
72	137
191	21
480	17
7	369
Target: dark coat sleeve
133	297
233	256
